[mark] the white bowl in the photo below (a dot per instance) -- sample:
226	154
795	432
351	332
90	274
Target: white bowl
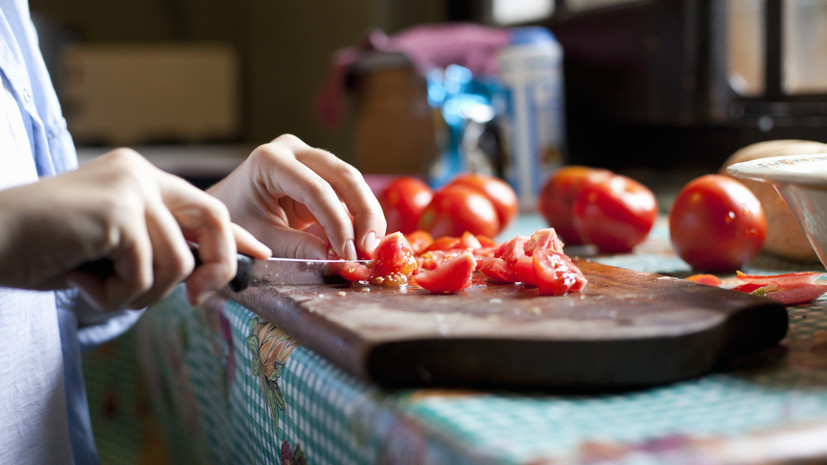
802	182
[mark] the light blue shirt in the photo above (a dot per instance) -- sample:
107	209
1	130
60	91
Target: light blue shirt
26	79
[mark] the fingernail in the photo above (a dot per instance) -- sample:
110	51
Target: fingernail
371	241
350	250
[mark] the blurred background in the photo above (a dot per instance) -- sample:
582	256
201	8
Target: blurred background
664	84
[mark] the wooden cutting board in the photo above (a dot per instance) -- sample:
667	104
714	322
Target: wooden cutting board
627	329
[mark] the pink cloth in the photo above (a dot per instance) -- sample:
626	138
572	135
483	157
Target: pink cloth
428	46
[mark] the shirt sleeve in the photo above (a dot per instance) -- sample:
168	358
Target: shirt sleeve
93	326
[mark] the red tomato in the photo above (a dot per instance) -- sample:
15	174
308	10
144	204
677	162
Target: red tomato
556	274
403	201
449	277
788	288
498	270
524	268
615	214
499	192
708	279
512	249
443	243
558	194
543	239
717	224
393	260
486	242
355	272
457	209
420	241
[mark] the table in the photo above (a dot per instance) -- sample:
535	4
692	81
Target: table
226	387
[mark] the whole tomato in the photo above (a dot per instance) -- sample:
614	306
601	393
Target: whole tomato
558	194
499	192
403	201
457	209
614	214
717	224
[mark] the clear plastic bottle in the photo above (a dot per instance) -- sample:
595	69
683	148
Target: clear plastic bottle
532	110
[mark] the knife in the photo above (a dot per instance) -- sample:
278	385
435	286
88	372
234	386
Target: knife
285	272
254	272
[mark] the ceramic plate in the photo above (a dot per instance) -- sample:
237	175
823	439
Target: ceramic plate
796	169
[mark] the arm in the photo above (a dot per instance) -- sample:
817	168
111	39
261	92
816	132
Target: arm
120	208
296	199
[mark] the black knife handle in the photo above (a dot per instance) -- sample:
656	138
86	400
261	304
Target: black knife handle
243	271
104	267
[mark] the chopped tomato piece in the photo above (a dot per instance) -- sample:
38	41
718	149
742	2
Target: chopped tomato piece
355	272
469	241
434	258
524	268
512	249
486	241
803	277
420	241
498	270
544	239
788	288
393	256
443	243
451	276
708	279
483	252
556	273
797	294
747	288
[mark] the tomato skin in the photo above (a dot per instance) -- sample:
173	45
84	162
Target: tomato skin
703	278
498	270
457	209
355	272
393	256
524	268
499	192
614	214
716	224
556	274
420	241
450	276
556	198
403	201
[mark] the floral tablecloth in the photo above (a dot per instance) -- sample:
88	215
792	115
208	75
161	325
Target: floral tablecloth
225	387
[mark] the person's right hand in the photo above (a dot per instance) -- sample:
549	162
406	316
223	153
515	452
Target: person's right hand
121	209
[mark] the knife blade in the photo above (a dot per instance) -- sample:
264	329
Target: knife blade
253	272
285	272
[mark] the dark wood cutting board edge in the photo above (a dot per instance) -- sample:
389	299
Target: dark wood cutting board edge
613	357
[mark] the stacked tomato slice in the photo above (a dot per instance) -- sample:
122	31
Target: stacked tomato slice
535	261
446	265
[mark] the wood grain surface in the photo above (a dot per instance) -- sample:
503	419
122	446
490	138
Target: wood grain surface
627	329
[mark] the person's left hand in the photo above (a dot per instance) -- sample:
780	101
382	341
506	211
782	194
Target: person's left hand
295	199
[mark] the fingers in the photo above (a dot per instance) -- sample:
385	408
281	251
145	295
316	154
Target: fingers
204	220
331	189
116	280
154	217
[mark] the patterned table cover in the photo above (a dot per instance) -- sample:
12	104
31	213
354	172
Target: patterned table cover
226	387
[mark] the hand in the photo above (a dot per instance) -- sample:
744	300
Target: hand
286	190
122	209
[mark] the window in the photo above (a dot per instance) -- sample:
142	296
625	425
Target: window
520	11
746	46
805	46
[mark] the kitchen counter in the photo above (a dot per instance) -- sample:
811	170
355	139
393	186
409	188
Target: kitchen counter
225	386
